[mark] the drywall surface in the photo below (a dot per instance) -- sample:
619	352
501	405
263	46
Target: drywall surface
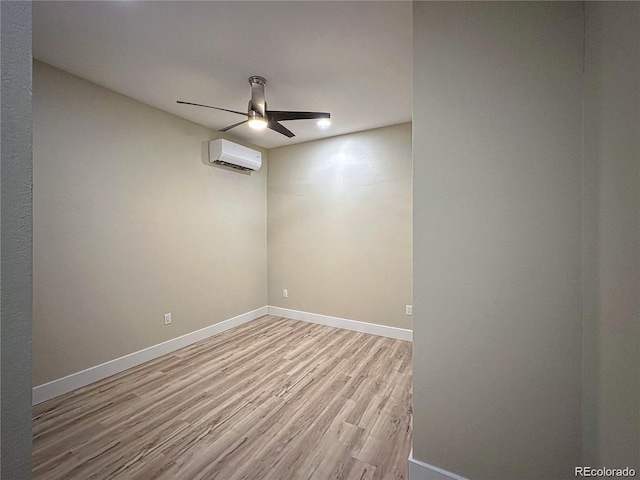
131	222
15	244
497	238
340	226
611	212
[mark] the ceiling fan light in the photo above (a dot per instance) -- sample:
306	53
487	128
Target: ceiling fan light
256	121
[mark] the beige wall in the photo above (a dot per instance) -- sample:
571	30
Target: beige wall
16	237
611	212
131	222
340	226
497	235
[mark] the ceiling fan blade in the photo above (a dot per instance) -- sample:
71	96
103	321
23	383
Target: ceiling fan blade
209	106
273	125
231	126
278	115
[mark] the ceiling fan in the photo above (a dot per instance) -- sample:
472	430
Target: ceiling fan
259	117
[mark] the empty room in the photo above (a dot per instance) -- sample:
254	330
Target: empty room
255	319
320	240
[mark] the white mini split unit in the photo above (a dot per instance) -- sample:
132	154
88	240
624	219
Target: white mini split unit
224	152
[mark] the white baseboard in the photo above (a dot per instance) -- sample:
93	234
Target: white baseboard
355	325
80	379
85	377
423	471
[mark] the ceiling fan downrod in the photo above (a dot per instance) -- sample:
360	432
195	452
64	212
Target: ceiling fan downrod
258	102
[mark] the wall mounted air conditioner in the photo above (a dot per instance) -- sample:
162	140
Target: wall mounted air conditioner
224	152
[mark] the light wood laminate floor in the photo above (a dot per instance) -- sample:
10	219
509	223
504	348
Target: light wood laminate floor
274	399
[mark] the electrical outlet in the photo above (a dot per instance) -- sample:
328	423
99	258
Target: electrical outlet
285	293
167	318
408	309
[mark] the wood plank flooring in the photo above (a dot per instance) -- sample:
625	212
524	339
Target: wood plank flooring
274	399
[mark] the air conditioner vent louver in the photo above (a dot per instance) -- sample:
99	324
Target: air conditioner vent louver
227	164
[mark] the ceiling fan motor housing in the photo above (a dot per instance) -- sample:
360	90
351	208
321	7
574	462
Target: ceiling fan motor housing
257	104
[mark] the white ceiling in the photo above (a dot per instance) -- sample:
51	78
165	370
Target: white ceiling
353	59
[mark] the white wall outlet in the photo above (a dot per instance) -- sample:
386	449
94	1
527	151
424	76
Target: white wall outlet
408	309
167	318
285	293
